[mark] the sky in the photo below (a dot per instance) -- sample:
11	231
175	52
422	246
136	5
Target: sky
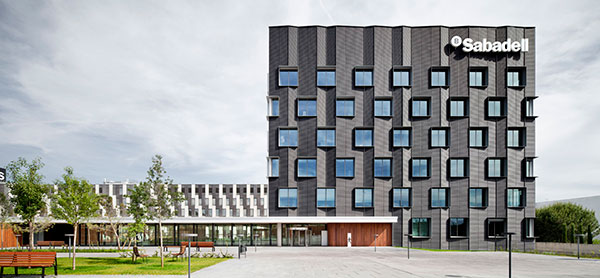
103	85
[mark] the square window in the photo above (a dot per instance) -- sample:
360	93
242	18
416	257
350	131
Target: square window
515	197
420	227
363	78
307	167
496	228
363	138
496	168
496	107
515	137
478	197
440	137
363	197
440	198
478	137
459	227
288	78
402	137
273	107
382	167
458	108
288	197
401	78
326	78
458	167
383	108
273	167
325	197
325	137
420	168
401	197
307	108
478	77
439	77
344	108
515	77
420	108
288	137
344	167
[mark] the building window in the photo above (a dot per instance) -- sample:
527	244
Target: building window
528	102
344	167
529	168
382	167
325	197
288	137
477	137
273	107
326	78
496	108
420	168
458	108
273	167
515	137
496	168
307	108
529	227
363	138
420	227
401	78
401	197
439	77
439	197
325	137
458	167
515	197
344	108
439	138
363	197
515	77
288	78
307	167
288	197
459	227
363	78
402	137
496	228
420	108
478	77
478	197
383	108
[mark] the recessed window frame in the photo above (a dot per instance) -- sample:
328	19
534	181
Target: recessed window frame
271	111
497	222
502	108
328	193
484	76
287	190
520	137
484	197
366	72
528	108
427	101
420	160
382	161
291	144
345	161
327	132
522	77
421	222
401	192
521	197
529	227
379	101
502	173
287	69
402	69
271	172
299	102
433	71
402	129
345	102
432	136
363	190
484	137
528	168
465	104
328	73
454	231
359	130
465	167
308	162
434	194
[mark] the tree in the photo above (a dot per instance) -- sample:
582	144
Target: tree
138	210
560	221
6	211
28	193
74	201
111	214
161	199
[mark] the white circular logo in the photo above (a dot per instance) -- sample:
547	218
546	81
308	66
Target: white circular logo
456	41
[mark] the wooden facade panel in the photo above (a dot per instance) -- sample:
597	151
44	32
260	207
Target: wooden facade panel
8	238
362	234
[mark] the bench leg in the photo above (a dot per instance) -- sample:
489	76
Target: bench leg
1	271
43	272
16	271
55	270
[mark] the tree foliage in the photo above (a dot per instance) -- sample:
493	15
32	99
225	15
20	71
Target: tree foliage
561	221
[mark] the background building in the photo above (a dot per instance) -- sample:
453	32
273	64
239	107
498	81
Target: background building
395	121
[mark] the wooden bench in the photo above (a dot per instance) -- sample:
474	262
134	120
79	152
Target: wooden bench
29	260
200	244
57	243
41	244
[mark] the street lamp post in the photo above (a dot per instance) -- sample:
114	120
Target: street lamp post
408	236
509	253
376	242
579	236
189	247
69	249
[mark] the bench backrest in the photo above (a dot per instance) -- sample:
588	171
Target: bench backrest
184	243
57	243
34	257
205	244
43	243
6	257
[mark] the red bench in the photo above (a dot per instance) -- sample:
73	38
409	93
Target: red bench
200	244
28	259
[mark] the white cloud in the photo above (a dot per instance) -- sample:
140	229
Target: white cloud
103	86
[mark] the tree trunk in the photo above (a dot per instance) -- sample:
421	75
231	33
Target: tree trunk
2	236
74	242
89	236
162	259
116	233
31	236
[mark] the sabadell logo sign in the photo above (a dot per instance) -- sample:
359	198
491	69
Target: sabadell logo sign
470	45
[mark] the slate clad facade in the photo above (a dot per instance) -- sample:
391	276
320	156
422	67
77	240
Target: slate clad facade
500	168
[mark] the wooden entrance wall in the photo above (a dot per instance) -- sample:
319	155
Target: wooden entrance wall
8	238
362	234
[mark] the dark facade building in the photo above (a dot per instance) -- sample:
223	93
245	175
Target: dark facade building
433	125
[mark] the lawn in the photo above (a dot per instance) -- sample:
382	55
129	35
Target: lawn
64	250
98	266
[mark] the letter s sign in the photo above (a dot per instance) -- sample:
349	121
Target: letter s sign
2	175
